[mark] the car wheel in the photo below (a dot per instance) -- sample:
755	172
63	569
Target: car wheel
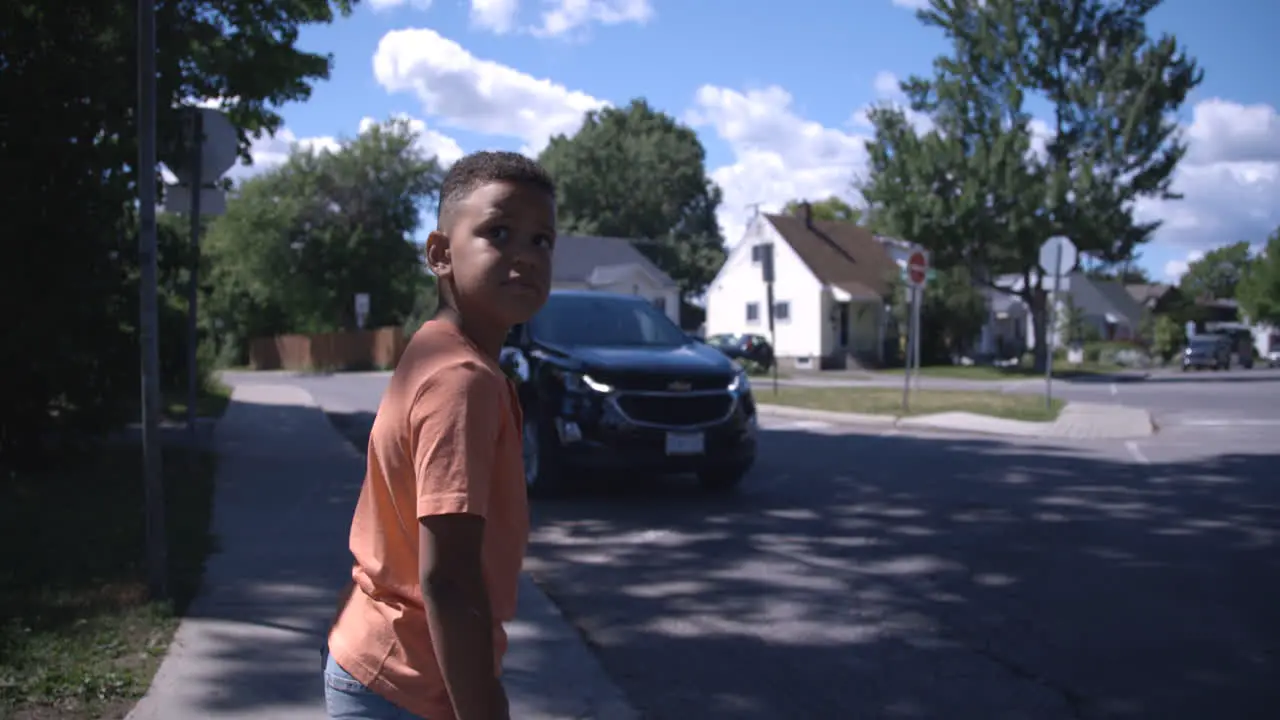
723	480
543	473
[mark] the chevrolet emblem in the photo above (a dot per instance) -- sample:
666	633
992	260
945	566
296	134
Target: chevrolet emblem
680	386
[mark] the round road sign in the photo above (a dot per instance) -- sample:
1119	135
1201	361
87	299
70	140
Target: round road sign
917	268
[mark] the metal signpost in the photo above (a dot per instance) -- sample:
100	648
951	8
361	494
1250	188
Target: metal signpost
766	269
917	276
157	560
207	150
1058	256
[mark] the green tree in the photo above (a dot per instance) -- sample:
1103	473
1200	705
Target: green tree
1071	323
1168	336
297	243
1216	275
1259	289
974	191
833	209
71	364
636	173
951	317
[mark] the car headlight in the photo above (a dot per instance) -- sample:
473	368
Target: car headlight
740	383
582	382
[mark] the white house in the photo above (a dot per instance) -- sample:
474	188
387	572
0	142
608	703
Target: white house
830	283
613	265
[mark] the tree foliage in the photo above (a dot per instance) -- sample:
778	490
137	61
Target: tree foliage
952	315
70	257
1259	288
1216	275
976	189
636	173
833	208
300	241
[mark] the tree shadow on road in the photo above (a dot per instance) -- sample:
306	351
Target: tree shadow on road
867	576
927	577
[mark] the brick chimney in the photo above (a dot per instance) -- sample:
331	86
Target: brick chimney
804	211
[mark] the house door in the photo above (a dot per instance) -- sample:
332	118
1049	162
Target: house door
844	325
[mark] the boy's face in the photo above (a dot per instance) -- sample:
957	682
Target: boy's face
496	251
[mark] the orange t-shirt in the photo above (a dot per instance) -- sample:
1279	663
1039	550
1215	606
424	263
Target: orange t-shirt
447	439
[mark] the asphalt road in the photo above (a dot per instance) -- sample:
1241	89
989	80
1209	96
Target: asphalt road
887	575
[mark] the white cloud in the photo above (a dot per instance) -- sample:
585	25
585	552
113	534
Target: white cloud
888	91
1175	269
1229	179
434	144
564	16
912	4
383	5
779	156
559	18
480	96
498	16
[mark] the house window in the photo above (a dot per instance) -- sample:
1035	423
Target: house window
757	254
753	312
660	303
782	311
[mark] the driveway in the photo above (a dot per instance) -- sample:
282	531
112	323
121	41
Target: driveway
886	575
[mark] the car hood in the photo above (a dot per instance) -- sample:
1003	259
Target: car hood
686	359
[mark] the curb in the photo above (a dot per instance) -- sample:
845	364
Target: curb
964	422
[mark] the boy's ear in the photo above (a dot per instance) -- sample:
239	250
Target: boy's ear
439	258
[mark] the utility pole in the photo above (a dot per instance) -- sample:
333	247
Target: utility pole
157	555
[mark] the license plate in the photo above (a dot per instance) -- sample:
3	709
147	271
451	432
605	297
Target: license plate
685	444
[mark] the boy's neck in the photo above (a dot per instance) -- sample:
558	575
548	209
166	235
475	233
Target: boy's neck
488	340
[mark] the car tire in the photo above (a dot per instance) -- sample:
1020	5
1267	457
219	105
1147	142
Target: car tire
723	480
543	469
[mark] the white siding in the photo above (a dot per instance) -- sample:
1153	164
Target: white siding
740	282
638	283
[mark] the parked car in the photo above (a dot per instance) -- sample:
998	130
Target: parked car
755	348
1273	359
1207	351
609	386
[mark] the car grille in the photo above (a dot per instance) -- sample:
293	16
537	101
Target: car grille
648	382
676	410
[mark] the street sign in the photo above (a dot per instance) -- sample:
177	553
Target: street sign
1058	256
177	199
362	309
917	268
210	130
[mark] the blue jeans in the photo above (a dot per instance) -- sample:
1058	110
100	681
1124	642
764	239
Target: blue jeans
346	698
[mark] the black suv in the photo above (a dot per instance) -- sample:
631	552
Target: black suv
609	385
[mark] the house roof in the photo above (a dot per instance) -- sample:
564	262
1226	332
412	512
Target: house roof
1147	292
597	260
1104	298
840	254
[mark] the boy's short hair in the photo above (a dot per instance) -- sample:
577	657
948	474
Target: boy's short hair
488	166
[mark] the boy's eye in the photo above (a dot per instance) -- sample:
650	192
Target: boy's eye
500	233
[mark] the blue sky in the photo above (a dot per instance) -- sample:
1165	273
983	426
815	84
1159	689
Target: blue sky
774	95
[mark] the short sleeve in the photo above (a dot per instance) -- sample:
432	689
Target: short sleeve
455	421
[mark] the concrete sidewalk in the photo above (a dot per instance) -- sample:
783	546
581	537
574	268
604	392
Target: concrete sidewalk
250	645
1077	421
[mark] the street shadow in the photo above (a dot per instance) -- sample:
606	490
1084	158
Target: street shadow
1208	376
877	577
869	576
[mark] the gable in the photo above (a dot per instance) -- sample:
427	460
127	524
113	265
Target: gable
840	254
741	260
578	258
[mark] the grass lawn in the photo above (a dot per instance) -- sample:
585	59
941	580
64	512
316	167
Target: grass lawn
79	639
988	372
888	401
211	401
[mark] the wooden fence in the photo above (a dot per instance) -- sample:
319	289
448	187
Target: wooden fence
377	349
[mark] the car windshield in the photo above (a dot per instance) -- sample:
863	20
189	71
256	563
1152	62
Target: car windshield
722	340
604	321
1203	343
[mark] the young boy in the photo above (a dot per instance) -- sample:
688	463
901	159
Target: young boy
440	528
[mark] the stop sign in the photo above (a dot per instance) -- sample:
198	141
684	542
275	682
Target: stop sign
917	268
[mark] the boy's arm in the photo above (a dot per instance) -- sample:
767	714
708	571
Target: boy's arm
458	613
456	419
